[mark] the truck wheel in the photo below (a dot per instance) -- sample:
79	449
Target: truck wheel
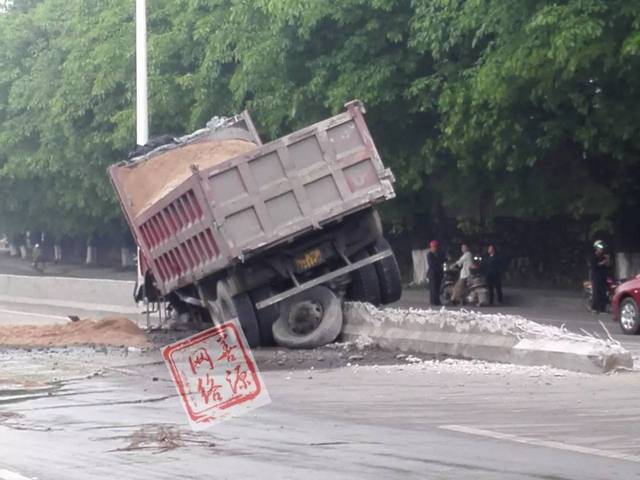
364	283
629	316
240	307
388	273
267	316
310	319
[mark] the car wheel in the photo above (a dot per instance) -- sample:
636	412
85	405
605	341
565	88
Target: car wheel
388	273
310	319
241	307
364	283
629	316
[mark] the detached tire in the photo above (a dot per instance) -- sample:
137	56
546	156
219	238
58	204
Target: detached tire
365	286
629	317
388	272
240	307
267	316
310	319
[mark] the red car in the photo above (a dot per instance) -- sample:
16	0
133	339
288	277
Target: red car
626	306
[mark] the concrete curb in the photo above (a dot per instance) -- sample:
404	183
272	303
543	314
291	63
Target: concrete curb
80	293
495	338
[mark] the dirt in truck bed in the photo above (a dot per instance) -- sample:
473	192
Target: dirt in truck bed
149	180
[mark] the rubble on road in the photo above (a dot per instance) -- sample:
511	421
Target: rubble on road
475	335
115	331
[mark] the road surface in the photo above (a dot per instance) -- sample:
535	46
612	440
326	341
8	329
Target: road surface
81	413
431	420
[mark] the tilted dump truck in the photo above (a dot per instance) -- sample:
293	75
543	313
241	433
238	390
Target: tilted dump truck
275	234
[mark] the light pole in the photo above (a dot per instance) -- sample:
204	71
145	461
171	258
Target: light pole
142	112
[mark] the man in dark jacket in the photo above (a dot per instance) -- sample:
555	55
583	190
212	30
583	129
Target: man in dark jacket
435	261
493	269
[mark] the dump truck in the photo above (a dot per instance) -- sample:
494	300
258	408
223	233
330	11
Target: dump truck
276	235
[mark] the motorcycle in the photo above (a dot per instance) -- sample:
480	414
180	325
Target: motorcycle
476	290
587	296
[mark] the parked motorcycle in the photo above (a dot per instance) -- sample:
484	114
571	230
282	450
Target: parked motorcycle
476	290
587	297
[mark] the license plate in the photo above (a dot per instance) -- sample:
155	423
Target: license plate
309	259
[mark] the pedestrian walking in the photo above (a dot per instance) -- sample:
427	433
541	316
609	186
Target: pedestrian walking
435	262
464	263
600	262
494	267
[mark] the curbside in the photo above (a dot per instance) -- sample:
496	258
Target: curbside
472	335
84	293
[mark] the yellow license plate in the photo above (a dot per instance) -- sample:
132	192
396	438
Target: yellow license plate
309	259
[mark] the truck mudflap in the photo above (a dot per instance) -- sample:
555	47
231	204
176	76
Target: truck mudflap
323	279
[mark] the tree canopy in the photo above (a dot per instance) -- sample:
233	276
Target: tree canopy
483	108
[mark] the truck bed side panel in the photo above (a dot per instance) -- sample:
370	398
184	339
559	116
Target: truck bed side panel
269	195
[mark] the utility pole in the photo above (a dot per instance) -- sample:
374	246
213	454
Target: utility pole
142	112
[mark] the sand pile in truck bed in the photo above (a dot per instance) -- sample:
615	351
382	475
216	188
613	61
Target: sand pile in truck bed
150	179
116	331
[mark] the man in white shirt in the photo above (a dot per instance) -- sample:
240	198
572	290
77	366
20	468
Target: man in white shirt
464	263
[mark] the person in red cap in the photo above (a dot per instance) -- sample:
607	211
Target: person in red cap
435	262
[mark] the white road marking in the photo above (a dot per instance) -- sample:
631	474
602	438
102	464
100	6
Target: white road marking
9	475
540	443
40	315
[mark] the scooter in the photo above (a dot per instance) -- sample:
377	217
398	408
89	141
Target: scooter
477	288
475	291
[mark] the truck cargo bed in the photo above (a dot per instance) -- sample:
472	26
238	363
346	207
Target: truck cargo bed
207	217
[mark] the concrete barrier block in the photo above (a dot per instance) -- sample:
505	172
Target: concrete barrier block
497	338
109	295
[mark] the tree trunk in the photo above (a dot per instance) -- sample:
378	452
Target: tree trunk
57	253
420	267
126	257
92	255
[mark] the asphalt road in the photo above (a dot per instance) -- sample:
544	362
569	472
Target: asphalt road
435	420
332	415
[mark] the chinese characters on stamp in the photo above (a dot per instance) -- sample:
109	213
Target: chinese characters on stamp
215	375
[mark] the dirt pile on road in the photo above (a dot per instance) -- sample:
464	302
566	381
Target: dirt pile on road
116	331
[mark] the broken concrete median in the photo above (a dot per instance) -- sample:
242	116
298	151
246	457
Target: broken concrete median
490	337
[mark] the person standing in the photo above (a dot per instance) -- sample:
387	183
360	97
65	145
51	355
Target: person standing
494	268
435	272
464	263
600	263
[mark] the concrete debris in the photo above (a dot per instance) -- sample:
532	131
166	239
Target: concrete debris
491	337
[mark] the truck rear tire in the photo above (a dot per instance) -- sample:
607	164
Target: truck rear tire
365	286
241	307
310	319
266	316
388	273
